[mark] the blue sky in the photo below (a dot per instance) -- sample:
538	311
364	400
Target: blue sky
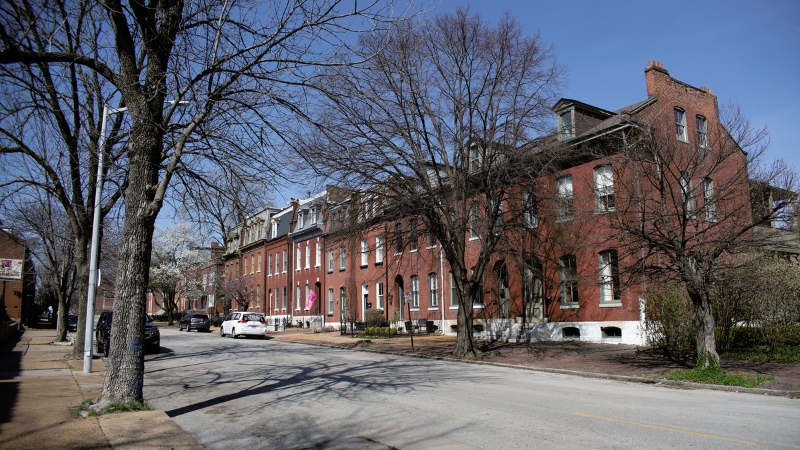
747	52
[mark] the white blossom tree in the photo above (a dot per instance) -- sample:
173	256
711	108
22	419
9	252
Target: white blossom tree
175	253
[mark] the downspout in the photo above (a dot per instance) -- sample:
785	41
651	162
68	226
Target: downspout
441	277
386	273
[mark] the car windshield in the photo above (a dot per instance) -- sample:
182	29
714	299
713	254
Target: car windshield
200	316
252	317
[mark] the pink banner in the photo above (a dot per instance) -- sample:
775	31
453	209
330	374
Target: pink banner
312	297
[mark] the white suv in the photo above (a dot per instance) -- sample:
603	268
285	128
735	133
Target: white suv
243	324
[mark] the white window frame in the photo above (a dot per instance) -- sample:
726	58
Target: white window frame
702	132
308	255
297	299
433	291
680	124
378	249
453	293
474	221
565	199
285	260
364	299
269	265
330	260
709	204
379	295
414	290
342	259
606	261
530	210
566	127
475	158
299	263
318	254
364	253
604	188
687	194
330	302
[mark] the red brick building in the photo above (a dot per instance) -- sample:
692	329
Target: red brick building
18	276
558	277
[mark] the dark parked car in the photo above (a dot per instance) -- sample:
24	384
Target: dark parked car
152	337
194	321
72	322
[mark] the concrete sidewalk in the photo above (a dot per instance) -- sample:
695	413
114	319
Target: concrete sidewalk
41	393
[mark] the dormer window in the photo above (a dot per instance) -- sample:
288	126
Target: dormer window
475	158
301	219
566	125
274	229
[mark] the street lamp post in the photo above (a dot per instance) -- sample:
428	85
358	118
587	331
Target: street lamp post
89	331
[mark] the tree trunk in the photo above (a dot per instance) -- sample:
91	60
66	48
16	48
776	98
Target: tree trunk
707	355
125	367
465	345
82	279
61	327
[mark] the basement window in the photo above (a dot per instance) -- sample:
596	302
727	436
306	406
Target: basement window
571	333
612	332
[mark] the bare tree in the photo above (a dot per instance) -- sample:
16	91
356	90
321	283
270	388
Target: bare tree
682	211
437	125
47	230
219	202
243	67
175	253
49	121
240	290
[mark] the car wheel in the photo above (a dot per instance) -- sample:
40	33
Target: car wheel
105	350
99	348
221	332
180	327
233	333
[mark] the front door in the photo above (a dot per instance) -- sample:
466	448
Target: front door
533	295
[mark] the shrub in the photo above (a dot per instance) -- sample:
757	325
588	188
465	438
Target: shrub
669	319
373	317
380	331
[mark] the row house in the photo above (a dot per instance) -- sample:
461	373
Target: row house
560	277
245	262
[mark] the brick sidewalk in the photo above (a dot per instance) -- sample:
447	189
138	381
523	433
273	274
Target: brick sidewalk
41	393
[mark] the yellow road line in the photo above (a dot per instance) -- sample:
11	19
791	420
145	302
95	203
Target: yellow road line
659	427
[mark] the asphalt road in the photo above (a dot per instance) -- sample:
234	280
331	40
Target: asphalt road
251	393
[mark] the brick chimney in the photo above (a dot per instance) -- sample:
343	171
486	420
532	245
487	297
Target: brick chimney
654	74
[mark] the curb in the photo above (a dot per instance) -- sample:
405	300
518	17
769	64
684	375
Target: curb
624	378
